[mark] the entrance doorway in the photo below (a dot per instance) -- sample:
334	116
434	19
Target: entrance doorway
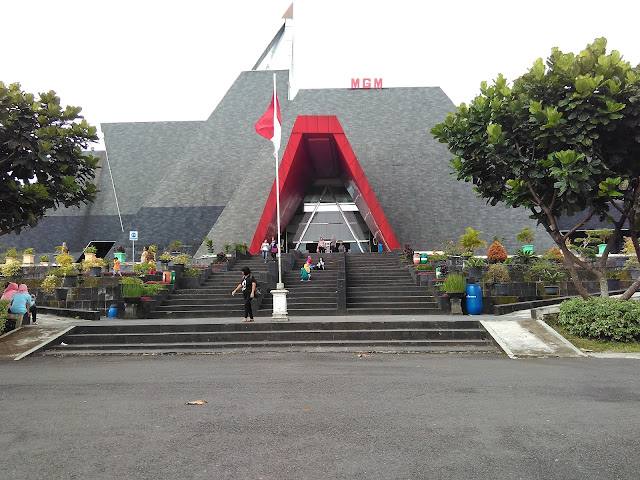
328	211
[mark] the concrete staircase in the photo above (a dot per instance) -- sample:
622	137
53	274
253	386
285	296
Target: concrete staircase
377	284
314	297
450	335
213	298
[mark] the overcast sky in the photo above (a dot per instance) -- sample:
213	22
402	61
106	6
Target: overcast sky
140	60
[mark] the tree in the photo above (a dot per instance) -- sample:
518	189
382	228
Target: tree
42	163
562	141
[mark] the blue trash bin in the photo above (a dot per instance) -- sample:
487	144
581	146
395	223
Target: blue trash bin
113	311
474	299
380	247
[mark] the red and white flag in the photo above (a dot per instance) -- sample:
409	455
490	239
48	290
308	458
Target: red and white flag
270	124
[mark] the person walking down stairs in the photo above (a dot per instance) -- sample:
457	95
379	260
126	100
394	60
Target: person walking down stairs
248	286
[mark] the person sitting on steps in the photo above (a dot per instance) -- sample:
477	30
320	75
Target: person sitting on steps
320	264
305	272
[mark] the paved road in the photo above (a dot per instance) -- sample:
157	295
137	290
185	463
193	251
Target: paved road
319	416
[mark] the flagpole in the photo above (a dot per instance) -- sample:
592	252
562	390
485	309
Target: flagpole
280	313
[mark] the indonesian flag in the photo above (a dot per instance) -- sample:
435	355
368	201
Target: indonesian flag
270	124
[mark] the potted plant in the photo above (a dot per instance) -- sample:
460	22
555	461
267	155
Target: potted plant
550	274
471	240
526	236
44	260
28	256
227	248
12	255
190	278
51	284
602	234
131	289
175	246
90	252
66	269
209	243
143	268
165	258
407	253
93	266
240	248
475	265
499	276
454	287
496	253
179	262
613	279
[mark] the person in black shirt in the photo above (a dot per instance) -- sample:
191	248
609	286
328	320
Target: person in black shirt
248	286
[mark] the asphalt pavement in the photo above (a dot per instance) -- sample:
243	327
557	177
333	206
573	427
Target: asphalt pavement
319	416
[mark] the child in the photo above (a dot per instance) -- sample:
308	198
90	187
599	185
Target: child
116	266
320	264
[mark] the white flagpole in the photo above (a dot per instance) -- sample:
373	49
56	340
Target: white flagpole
280	313
275	154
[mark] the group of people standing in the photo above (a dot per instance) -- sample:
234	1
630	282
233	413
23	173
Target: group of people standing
20	301
333	246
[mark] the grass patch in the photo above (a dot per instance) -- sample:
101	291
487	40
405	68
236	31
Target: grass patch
591	345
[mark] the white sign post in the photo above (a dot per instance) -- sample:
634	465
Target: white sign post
133	236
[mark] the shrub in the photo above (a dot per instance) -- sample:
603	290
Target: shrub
407	253
601	318
476	262
151	289
11	269
66	263
498	273
192	272
49	284
4	306
524	258
143	268
29	251
222	257
90	249
12	253
554	254
208	242
496	253
95	262
44	258
181	259
175	245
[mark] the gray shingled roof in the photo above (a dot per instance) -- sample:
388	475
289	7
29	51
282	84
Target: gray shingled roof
214	176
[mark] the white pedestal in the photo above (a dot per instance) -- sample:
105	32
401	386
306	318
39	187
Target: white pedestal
280	313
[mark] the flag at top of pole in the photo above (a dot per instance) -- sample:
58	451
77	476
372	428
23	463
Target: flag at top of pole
270	124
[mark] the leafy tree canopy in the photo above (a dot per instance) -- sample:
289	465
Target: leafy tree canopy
42	163
562	140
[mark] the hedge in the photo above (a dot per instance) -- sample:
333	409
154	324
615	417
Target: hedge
601	318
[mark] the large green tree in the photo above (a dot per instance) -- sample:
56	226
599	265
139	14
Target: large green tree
564	140
42	162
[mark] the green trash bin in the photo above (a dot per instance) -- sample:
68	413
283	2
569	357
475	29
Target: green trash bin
119	256
423	258
173	276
